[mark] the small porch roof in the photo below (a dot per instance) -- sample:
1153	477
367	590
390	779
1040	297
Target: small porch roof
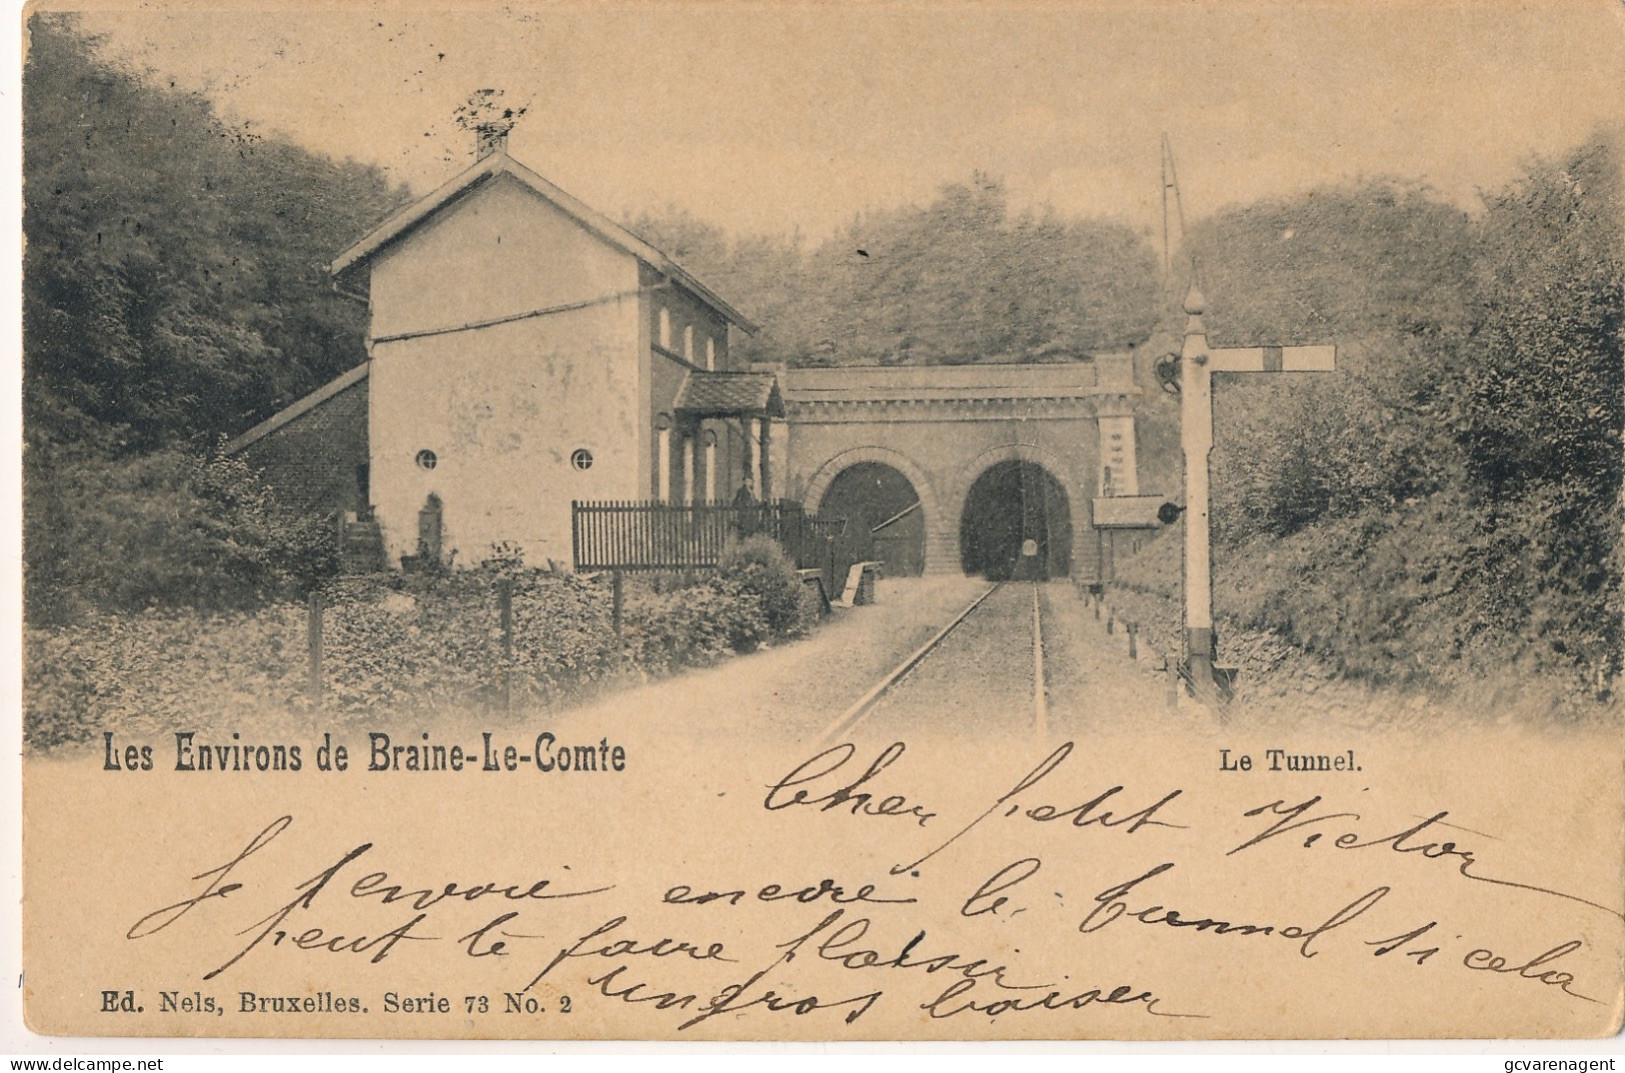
725	394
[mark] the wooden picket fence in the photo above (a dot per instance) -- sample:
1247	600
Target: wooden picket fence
657	535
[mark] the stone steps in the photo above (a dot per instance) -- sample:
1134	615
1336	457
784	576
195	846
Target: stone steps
361	547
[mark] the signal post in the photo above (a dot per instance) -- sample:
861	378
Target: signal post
1198	363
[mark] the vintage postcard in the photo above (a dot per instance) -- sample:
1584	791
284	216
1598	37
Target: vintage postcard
828	522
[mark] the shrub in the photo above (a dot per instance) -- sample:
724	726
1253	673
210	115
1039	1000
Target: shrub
160	670
392	644
1445	594
435	640
164	530
693	626
760	567
1449	591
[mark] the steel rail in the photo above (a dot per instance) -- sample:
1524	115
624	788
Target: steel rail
1040	687
864	704
849	718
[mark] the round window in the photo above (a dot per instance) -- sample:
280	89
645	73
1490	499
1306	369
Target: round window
581	458
426	460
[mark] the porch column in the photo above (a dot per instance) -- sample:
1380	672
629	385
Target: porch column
688	466
778	457
663	461
763	492
710	465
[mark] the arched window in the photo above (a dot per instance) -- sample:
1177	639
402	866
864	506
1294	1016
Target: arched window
710	352
665	328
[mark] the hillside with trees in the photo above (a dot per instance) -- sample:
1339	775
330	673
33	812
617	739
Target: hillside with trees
1446	507
174	279
174	290
962	279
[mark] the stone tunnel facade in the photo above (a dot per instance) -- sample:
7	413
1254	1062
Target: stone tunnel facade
944	428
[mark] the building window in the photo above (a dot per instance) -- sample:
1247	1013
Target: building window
581	458
426	460
688	342
665	328
710	352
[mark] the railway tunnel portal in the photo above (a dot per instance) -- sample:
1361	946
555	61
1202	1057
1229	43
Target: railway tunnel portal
992	470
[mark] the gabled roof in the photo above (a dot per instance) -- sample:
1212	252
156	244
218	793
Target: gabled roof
500	163
719	394
298	409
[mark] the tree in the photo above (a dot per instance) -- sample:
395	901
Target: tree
1543	394
165	529
1447	505
174	290
1383	270
959	280
174	279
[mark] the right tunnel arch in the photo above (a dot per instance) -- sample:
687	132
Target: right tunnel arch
1016	523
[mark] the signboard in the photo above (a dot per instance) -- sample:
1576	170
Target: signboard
1127	512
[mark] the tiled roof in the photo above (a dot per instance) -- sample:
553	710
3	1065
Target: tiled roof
709	394
299	408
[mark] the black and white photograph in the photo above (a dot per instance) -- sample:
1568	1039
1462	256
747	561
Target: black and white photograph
822	522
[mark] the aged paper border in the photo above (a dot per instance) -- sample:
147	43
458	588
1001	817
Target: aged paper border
17	1038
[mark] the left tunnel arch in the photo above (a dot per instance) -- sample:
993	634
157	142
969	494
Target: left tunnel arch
936	553
884	507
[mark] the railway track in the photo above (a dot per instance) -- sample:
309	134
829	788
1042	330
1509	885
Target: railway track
910	667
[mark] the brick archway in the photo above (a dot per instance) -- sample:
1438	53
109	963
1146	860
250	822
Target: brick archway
820	481
1076	485
965	475
942	426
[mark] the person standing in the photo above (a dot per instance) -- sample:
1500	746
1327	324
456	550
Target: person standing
746	516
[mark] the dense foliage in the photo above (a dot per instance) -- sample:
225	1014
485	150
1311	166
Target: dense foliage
760	567
165	530
1446	506
161	669
693	625
959	280
394	645
174	284
174	289
1384	271
434	641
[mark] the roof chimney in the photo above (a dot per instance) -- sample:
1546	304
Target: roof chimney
488	139
490	119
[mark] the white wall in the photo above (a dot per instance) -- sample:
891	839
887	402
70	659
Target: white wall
502	407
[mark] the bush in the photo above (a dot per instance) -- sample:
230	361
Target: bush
693	626
160	670
435	640
760	567
755	595
1449	591
1445	594
393	644
166	530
